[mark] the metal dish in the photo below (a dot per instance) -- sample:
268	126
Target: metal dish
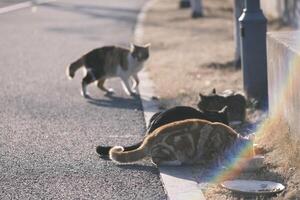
253	186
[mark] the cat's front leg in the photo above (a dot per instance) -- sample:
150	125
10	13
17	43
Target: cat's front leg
126	86
136	81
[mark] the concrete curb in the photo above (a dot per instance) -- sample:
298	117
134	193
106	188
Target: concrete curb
179	182
146	87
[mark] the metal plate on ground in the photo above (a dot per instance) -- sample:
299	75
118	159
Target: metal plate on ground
253	186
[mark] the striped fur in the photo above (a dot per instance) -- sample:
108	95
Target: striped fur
177	113
191	141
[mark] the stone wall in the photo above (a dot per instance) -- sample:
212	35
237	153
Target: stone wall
272	9
286	10
283	77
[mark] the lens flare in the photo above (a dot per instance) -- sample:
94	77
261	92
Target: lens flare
235	163
284	100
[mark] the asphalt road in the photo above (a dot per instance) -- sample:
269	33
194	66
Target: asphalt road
48	132
4	3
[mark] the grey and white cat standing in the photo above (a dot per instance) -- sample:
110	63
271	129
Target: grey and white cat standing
108	62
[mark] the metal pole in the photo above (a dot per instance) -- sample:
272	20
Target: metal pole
253	27
184	4
238	9
297	10
197	8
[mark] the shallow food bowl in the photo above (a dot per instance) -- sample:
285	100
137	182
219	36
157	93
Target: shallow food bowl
253	186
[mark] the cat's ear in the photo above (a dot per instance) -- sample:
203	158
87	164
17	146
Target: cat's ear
202	96
132	46
223	110
214	91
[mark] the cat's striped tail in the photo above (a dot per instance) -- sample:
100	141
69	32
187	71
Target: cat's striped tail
73	67
118	154
104	150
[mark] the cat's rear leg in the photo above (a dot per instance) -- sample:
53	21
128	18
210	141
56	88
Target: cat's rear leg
100	85
89	78
163	156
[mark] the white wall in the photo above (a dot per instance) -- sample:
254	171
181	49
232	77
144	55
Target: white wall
287	10
272	8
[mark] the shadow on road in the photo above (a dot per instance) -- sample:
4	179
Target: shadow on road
222	65
117	102
136	167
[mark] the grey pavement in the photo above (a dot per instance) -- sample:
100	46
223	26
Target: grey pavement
4	3
48	132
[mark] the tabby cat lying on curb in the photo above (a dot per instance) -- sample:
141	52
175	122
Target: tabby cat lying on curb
187	142
236	103
171	115
111	61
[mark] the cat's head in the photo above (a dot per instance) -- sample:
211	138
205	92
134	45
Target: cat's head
211	101
140	52
237	105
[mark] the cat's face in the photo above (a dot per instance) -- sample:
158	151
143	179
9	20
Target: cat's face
211	102
236	105
141	53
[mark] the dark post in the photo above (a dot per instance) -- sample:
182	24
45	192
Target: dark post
197	8
253	27
184	4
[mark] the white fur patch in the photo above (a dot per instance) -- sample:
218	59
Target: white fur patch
134	66
68	73
115	150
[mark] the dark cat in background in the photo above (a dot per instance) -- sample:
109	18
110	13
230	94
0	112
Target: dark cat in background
236	103
174	114
111	61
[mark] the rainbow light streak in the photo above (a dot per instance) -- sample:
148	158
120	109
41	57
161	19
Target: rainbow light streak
286	93
235	163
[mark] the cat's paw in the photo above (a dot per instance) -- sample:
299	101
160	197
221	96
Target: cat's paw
85	95
109	92
134	94
134	90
